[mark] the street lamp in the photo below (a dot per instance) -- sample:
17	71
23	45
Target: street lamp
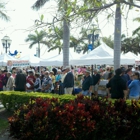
6	42
78	49
92	38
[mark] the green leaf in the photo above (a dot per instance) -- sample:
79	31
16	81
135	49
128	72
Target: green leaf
69	11
42	17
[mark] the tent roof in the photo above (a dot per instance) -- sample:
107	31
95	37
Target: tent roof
58	59
101	51
101	55
4	58
33	60
131	55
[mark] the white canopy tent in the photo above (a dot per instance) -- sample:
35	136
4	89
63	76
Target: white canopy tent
4	59
49	54
33	60
101	55
58	59
132	55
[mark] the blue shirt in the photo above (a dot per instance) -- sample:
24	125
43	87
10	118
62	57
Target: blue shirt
58	77
134	88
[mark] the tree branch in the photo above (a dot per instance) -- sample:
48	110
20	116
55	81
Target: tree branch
101	8
131	4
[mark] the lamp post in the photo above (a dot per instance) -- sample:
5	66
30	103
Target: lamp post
6	42
78	49
92	37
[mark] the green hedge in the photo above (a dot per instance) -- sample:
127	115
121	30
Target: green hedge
14	99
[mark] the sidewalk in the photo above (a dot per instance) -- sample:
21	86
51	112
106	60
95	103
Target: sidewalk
5	136
4	115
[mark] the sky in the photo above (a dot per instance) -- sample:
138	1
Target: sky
23	17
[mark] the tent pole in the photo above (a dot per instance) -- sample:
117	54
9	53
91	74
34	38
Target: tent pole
92	71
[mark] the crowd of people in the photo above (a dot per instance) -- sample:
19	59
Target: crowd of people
123	83
30	80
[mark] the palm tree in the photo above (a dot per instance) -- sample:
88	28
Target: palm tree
3	14
131	44
137	30
103	5
66	31
37	38
108	41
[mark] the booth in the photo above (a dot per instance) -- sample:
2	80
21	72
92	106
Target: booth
100	56
58	59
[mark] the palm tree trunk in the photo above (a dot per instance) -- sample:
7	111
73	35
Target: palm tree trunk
39	50
117	37
66	38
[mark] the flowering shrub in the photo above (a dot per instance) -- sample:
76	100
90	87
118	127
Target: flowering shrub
79	119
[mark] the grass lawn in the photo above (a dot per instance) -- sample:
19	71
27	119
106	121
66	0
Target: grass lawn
3	125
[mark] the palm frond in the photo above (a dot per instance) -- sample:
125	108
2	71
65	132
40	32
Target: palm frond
136	31
3	15
32	44
38	4
45	43
54	48
137	19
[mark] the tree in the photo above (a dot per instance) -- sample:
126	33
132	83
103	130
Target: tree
67	13
37	38
3	14
137	30
108	41
130	44
102	5
63	4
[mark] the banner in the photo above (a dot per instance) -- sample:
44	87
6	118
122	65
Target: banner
18	63
137	62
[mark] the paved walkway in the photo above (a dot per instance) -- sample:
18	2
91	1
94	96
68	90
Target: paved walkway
4	115
5	136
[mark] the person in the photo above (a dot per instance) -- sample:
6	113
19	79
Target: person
47	84
61	87
30	81
1	80
117	86
5	79
134	87
53	80
10	82
96	80
58	77
20	81
37	83
105	75
68	82
127	74
87	84
123	74
54	70
14	73
110	76
137	69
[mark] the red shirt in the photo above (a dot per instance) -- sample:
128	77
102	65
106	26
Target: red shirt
1	80
29	80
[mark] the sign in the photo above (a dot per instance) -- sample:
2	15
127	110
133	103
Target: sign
137	62
18	63
102	88
90	47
